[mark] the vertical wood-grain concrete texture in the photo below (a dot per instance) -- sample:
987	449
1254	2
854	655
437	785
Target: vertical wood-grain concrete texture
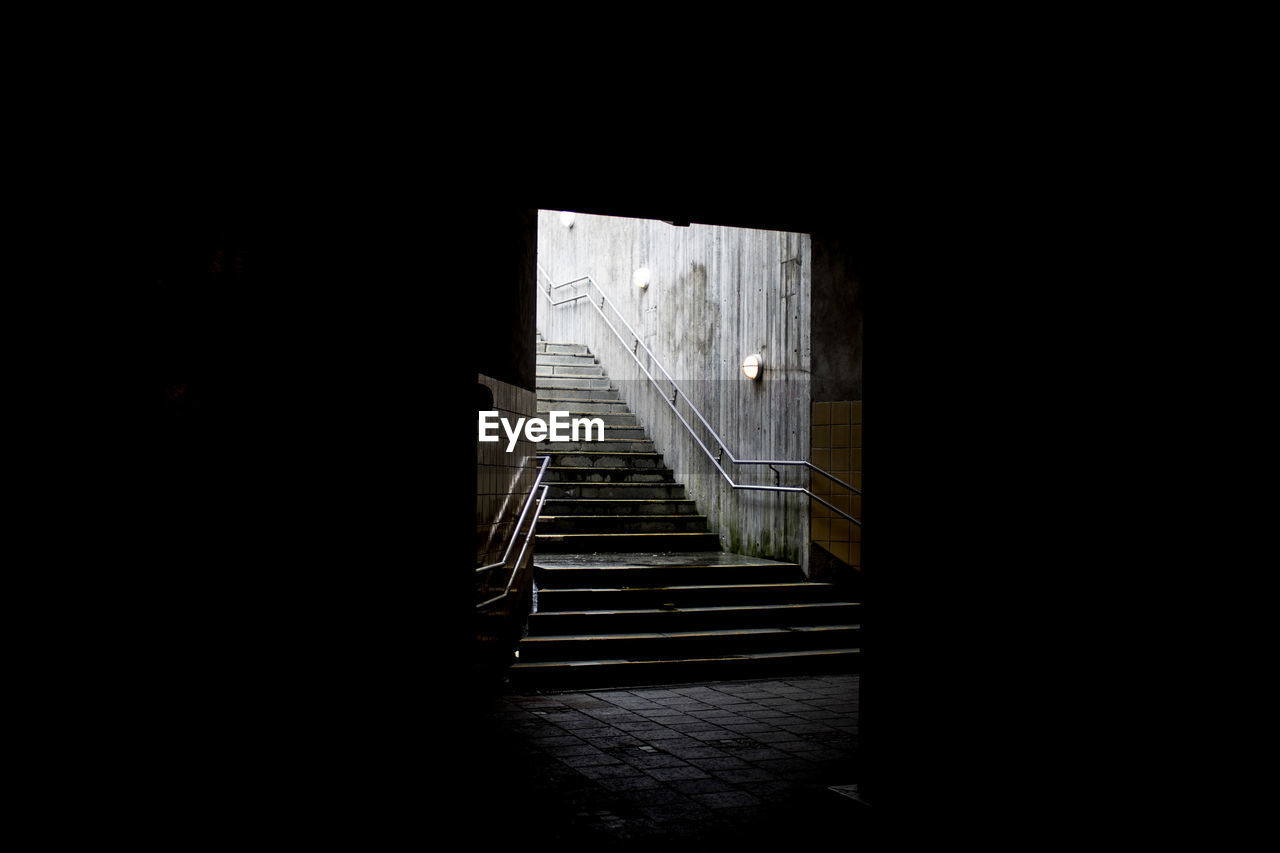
716	295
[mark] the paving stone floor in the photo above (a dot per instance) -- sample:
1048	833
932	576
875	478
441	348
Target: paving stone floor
721	761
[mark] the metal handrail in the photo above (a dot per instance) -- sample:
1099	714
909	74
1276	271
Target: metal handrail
724	448
515	534
510	497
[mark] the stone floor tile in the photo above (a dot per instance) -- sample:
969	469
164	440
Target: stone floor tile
627	784
743	749
609	771
668	774
725	799
700	786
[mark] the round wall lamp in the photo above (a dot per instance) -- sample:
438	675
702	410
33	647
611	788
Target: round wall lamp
752	367
566	219
641	278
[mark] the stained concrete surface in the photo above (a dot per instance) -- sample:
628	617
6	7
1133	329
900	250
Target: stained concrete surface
695	764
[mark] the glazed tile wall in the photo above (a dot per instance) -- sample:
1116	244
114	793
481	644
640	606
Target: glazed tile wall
836	447
502	479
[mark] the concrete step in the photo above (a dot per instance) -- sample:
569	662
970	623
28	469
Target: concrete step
575	382
576	410
638	574
644	445
687	644
602	673
562	349
693	595
564	360
596	401
583	389
612	431
694	618
549	524
619	507
589	459
615	425
556	474
585	382
569	370
579	543
617	491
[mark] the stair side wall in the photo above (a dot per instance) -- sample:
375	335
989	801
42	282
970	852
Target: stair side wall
503	481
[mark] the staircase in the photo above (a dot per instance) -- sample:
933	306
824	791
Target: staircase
632	587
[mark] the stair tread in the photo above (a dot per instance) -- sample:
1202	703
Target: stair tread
550	573
678	588
623	500
622	485
601	467
615	517
561	489
620	454
585	535
749	656
618	483
571	503
578	469
723	632
589	446
690	559
720	609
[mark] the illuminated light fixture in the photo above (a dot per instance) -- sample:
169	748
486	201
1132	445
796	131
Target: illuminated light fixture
566	219
752	367
641	278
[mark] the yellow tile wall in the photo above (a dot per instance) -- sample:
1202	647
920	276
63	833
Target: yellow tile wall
836	447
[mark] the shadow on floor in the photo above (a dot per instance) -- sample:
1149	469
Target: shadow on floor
723	762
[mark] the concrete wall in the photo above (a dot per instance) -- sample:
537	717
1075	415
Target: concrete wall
497	290
837	321
717	294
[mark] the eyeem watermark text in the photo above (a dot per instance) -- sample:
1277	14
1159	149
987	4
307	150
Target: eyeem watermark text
537	430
